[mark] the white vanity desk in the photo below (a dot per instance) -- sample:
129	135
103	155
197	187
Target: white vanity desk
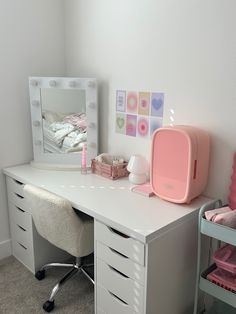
148	268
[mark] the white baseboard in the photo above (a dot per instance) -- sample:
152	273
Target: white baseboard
5	249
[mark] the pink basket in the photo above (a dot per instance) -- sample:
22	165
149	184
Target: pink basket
225	258
109	171
223	279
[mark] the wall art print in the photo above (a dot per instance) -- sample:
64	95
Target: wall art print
139	114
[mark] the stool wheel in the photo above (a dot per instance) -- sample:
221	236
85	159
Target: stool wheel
48	306
40	274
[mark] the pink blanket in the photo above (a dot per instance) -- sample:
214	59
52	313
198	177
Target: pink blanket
77	119
223	216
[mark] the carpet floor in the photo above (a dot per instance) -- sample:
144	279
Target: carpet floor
21	293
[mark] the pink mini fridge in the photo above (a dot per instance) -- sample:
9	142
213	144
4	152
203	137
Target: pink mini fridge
179	163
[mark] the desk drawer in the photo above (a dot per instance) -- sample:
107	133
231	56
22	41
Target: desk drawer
121	262
108	303
15	186
17	199
21	235
23	254
123	287
120	242
19	216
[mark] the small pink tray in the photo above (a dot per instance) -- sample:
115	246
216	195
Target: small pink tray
225	258
223	279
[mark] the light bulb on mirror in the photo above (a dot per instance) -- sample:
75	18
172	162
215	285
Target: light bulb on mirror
34	83
72	84
52	83
35	103
36	123
92	105
91	84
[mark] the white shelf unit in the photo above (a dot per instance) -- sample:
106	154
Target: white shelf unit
220	233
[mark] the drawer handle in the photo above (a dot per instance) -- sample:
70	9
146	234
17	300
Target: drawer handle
18	182
117	271
118	233
18	195
22	246
21	210
118	253
21	228
116	297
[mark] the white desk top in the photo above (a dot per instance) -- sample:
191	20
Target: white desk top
111	202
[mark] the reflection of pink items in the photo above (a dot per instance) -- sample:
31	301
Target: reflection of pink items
77	119
232	188
223	216
84	161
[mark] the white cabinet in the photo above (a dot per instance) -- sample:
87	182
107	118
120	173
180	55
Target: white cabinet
145	278
120	271
27	245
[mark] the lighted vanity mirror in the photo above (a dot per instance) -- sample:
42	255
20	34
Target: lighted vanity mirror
64	119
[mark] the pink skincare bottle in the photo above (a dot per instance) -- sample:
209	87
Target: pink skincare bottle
232	188
84	160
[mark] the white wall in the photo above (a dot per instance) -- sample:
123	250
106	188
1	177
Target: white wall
31	43
184	48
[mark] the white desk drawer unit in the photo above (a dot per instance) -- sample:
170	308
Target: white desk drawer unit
23	254
27	245
19	216
120	278
120	262
15	186
120	242
20	223
123	287
111	303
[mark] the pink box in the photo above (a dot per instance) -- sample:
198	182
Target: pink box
179	163
225	258
223	278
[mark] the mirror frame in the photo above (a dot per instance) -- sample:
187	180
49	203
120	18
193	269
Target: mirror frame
63	160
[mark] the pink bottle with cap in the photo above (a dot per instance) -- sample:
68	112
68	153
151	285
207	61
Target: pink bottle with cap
232	188
84	159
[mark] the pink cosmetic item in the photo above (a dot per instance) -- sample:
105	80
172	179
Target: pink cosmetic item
225	258
84	160
179	163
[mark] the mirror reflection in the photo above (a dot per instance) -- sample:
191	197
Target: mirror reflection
64	120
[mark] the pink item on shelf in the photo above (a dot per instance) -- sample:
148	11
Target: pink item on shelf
225	258
179	162
227	219
211	214
223	216
223	278
232	188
